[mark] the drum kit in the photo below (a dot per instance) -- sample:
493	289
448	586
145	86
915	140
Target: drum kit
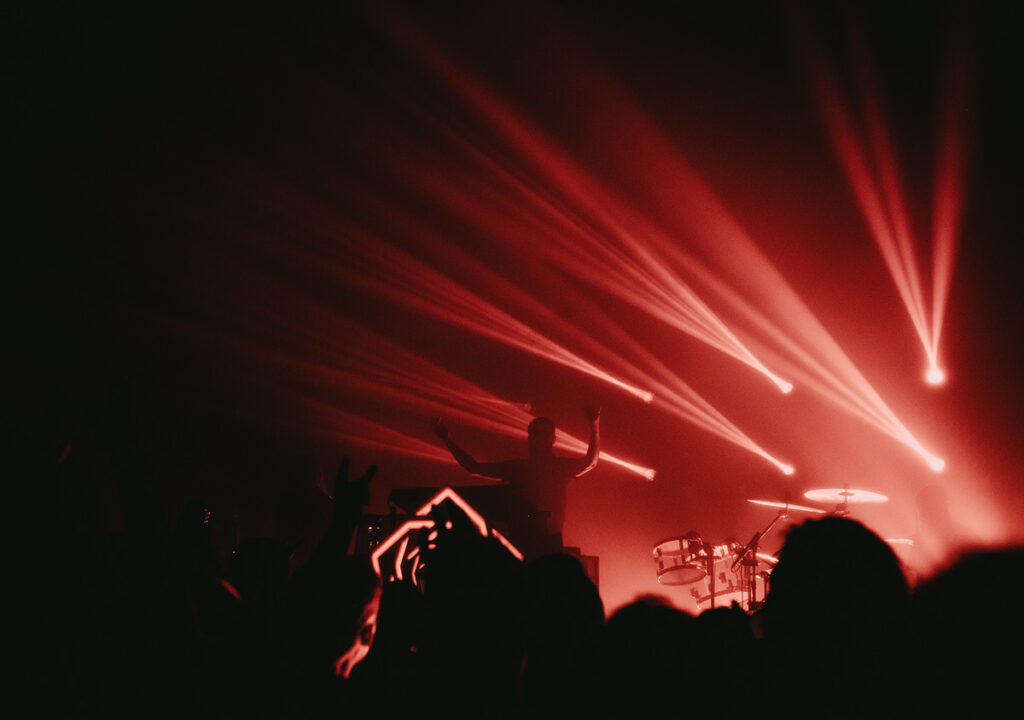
730	573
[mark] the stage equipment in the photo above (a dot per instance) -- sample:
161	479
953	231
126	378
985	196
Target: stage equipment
845	495
681	560
717	570
787	506
753	567
842	498
727	573
739	577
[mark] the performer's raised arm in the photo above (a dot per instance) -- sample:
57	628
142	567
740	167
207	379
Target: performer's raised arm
463	458
589	461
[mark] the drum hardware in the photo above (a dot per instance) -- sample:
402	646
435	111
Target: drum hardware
748	557
712	569
728	583
746	571
710	553
740	573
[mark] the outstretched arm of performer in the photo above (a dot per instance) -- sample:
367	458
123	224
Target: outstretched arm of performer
594	448
463	458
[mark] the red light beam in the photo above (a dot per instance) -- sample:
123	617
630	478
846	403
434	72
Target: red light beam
622	248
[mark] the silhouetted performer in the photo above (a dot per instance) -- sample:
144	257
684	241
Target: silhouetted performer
539	482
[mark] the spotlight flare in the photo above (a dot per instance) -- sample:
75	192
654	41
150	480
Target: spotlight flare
935	375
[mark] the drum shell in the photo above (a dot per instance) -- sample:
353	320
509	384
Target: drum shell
680	560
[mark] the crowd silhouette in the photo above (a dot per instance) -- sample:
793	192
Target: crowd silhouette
147	622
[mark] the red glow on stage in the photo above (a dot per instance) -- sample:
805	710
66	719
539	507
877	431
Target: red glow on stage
950	179
633	245
421	288
818	362
385	270
878	186
455	237
643	276
380	368
588	231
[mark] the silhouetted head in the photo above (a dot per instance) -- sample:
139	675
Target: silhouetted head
649	646
962	631
835	615
541	436
834	570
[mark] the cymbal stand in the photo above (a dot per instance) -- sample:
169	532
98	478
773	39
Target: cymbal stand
748	558
843	508
709	560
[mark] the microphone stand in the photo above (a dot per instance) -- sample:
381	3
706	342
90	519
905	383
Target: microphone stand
748	556
709	552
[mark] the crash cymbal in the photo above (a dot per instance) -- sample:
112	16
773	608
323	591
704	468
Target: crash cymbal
844	496
787	506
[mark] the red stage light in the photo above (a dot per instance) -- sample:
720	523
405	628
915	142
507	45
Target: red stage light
587	229
879	193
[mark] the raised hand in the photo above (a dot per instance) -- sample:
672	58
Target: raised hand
593	414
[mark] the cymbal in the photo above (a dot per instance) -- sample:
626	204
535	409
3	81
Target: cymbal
840	496
787	506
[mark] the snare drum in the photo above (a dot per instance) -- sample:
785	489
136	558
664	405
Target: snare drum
680	560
